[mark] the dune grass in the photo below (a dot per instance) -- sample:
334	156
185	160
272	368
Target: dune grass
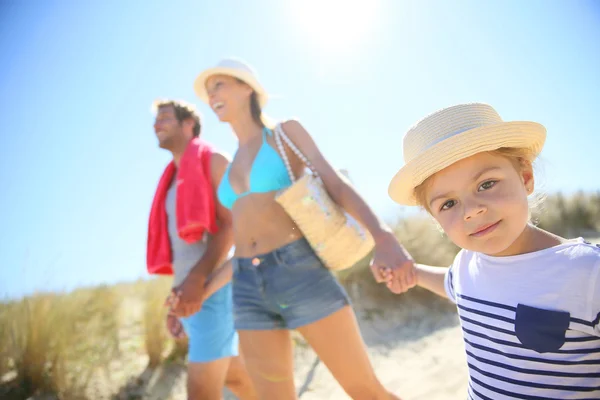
56	343
154	314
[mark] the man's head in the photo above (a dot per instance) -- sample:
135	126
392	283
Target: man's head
176	124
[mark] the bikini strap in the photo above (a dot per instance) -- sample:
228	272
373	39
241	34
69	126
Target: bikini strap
266	131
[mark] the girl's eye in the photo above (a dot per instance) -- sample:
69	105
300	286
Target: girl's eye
487	185
448	205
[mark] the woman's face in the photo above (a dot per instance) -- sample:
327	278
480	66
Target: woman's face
228	97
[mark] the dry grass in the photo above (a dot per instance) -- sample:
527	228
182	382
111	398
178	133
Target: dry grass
5	362
423	241
570	216
56	343
155	333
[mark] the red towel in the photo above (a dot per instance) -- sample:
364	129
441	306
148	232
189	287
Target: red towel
196	208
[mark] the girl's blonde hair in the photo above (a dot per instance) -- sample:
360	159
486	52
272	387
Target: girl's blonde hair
519	157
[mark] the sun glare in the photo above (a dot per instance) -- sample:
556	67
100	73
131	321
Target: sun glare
335	25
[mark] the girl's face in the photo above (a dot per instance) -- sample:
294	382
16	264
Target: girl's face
481	203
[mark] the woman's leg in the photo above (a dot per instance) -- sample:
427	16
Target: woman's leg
337	341
268	356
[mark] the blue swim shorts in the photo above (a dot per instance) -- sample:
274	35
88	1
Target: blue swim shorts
211	331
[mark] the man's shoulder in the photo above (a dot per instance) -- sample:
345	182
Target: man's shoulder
219	161
219	156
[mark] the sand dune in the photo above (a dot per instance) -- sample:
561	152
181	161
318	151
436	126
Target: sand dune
414	343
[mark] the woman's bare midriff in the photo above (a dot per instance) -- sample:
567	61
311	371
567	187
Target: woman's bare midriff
260	225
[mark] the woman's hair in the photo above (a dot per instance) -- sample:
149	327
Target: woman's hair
519	157
255	109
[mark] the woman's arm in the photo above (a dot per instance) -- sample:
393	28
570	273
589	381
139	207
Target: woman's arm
388	252
219	278
338	187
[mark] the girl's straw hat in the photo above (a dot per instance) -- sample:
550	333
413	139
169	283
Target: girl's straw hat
454	133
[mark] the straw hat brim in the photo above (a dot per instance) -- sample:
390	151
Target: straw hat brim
518	134
247	77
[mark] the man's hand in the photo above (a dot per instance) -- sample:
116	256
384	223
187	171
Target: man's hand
392	264
187	298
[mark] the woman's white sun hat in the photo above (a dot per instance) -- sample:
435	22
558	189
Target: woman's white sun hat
232	67
451	134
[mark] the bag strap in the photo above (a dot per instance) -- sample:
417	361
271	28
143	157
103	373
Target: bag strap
280	134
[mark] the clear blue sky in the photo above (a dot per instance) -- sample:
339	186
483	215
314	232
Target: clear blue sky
80	161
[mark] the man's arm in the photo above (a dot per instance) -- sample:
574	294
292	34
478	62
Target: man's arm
190	294
219	278
220	243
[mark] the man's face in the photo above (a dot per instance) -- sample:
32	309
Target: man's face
168	130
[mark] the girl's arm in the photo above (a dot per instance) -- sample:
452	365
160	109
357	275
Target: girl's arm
432	278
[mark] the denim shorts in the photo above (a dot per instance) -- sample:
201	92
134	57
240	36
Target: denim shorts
284	289
210	331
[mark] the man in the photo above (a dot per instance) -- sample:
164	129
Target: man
190	234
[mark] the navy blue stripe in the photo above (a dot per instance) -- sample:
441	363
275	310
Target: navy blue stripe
512	395
535	371
583	339
486	314
487	303
507	332
540	360
451	282
520	346
510	308
481	396
582	322
534	384
486	326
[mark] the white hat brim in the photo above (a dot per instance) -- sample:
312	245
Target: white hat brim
518	134
248	78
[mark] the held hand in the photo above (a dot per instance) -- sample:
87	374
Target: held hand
175	327
187	298
393	265
395	283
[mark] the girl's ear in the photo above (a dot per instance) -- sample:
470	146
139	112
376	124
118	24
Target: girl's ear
527	176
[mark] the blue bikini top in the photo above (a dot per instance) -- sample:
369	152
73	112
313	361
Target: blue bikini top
267	173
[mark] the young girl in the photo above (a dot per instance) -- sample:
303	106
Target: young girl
279	283
528	300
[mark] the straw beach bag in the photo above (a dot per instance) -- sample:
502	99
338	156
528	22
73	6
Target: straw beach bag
335	236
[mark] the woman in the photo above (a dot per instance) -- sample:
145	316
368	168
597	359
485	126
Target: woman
278	282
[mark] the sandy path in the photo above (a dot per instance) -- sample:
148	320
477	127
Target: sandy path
416	349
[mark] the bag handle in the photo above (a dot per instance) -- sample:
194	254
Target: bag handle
280	134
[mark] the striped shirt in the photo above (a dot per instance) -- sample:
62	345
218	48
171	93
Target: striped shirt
531	322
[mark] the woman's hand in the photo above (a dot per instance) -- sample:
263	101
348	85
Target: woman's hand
392	264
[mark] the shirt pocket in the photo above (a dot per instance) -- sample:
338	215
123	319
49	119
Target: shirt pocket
541	330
